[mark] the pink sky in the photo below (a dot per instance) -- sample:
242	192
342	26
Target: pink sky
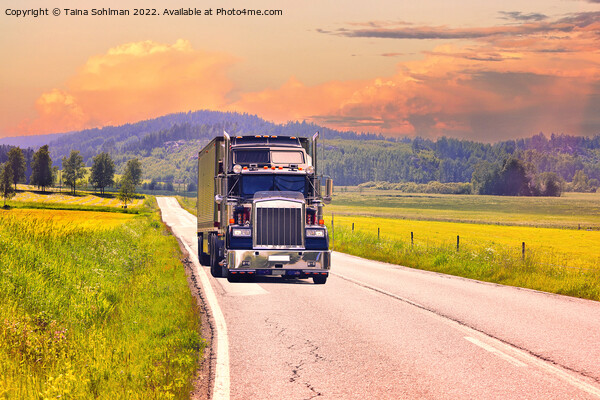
484	72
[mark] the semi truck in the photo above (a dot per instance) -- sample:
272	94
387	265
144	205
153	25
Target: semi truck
260	208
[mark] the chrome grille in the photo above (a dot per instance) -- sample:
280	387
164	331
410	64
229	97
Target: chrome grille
279	227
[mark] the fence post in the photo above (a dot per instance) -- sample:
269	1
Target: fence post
412	242
377	233
523	251
332	233
457	242
353	227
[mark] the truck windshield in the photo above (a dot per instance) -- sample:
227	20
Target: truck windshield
251	156
287	157
251	184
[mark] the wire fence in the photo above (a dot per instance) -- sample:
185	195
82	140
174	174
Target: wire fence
521	250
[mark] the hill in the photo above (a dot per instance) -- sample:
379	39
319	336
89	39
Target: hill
168	147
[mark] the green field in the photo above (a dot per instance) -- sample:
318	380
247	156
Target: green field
28	197
94	305
572	210
561	236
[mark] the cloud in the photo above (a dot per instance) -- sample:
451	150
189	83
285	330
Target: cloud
502	82
493	89
533	24
131	82
519	16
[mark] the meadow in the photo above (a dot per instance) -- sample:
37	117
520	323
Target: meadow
94	305
561	235
571	210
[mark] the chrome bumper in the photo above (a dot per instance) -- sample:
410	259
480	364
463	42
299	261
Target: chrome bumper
271	259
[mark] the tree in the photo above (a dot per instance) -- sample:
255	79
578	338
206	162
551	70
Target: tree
73	169
6	189
486	178
41	170
103	172
580	182
514	178
134	171
18	165
127	190
548	184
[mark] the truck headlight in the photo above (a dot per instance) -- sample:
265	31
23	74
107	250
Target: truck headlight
241	232
310	170
237	168
315	233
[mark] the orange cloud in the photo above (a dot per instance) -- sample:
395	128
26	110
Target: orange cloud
504	82
500	82
132	82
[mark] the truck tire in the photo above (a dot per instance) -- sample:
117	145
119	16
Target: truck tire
232	278
320	279
203	258
215	268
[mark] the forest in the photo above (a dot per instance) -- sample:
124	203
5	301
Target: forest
167	148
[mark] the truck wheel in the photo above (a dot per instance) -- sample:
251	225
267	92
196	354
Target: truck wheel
320	279
203	258
215	268
232	277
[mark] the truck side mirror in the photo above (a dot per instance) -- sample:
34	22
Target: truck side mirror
328	191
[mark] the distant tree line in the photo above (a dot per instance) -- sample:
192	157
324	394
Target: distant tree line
412	187
168	147
44	175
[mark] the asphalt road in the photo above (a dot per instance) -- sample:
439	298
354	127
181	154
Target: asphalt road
381	331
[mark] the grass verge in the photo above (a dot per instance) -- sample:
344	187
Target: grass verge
187	203
94	313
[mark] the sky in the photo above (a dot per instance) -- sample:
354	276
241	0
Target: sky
476	70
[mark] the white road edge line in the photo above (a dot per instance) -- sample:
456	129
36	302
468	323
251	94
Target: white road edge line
495	351
221	389
547	366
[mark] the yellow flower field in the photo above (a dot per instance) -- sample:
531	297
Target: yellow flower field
557	247
61	222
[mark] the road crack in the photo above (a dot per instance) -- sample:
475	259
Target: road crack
308	352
